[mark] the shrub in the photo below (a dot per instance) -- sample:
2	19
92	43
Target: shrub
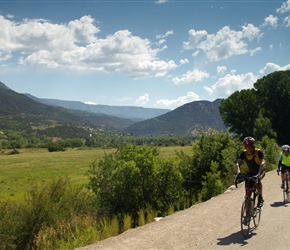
54	147
42	212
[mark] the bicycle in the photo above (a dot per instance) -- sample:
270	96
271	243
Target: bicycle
286	190
250	210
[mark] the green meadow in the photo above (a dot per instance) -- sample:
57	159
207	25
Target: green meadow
19	173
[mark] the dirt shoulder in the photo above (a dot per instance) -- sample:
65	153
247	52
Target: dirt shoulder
198	227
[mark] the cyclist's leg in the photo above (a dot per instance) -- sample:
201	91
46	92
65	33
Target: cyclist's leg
282	175
260	192
286	184
245	219
260	195
287	169
248	191
260	188
248	185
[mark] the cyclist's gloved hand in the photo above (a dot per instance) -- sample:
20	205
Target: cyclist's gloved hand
239	176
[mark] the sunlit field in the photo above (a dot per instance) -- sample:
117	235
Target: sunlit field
20	172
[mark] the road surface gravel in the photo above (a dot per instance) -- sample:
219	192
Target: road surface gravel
213	224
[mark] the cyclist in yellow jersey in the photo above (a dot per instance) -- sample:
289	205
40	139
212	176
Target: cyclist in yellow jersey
284	162
255	161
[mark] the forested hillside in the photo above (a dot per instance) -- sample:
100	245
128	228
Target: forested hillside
191	119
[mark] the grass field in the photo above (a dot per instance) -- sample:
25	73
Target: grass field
20	172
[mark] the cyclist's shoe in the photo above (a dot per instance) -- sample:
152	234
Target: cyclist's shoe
282	185
260	201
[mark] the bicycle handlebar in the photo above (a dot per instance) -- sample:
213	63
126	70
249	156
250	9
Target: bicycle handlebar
242	177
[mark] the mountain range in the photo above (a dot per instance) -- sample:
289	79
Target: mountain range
25	110
127	112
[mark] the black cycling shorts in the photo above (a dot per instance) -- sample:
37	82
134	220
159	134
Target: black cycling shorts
284	168
250	183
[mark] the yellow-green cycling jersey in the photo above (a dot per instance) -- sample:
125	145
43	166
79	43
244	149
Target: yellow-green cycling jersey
283	160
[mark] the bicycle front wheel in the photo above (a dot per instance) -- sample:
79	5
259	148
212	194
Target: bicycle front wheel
285	192
257	216
245	218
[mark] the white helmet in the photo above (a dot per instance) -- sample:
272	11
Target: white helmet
286	147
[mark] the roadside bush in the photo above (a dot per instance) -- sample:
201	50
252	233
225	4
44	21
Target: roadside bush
126	181
44	208
271	151
218	148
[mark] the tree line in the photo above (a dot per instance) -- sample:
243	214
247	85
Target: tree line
261	110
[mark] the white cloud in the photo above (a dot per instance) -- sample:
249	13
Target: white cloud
271	67
75	45
161	1
221	70
38	34
209	90
285	7
142	100
4	56
286	21
225	86
254	51
190	77
224	44
195	38
83	29
90	103
125	99
190	97
161	36
161	41
195	53
183	61
10	16
271	21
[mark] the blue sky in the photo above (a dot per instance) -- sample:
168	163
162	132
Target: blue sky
155	54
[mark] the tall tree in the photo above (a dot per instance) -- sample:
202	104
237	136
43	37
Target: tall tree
273	92
240	111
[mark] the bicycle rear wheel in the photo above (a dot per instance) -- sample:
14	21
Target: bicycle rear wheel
257	216
245	218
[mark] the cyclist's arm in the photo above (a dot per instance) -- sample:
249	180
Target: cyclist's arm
279	162
238	164
262	167
262	164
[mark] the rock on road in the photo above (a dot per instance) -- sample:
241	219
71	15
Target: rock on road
213	224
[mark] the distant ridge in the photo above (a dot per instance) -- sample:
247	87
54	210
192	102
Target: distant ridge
128	112
23	112
189	119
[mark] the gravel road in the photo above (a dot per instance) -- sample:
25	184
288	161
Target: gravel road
213	224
